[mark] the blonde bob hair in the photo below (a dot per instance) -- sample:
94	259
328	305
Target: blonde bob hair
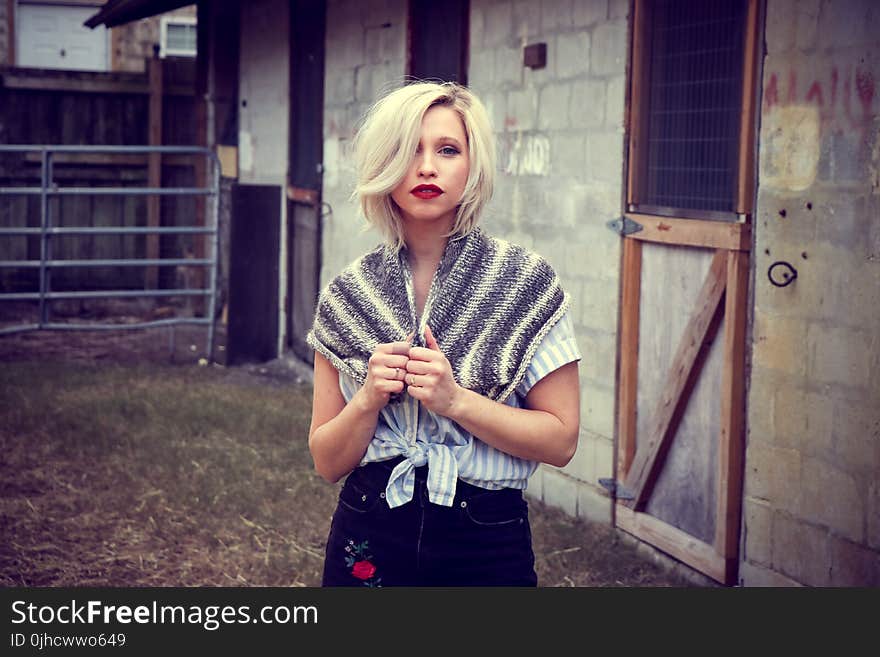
386	143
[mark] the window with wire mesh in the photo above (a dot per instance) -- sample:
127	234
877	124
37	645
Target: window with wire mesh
691	106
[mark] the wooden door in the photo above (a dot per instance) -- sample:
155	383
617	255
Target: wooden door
306	170
687	236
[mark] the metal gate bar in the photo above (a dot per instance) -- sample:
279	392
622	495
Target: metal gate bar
46	231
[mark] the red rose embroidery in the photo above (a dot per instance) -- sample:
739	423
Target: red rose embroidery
363	570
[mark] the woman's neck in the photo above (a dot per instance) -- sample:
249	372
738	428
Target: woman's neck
425	244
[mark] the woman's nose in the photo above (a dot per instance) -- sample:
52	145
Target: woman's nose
426	165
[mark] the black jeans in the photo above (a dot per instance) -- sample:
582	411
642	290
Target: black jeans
484	539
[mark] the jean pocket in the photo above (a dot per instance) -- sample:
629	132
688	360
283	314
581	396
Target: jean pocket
496	508
358	498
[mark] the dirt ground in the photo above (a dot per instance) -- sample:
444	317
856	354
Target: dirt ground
569	552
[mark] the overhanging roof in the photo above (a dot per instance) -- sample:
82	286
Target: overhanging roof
118	12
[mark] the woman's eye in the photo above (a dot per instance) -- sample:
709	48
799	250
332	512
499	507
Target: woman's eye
449	150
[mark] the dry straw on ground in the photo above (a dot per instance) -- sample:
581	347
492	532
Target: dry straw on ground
121	469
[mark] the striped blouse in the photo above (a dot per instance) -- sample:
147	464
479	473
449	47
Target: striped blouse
423	437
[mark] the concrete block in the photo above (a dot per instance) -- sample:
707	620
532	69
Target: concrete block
855	293
572	54
508	67
568	160
853	564
778	344
838	355
599	354
498	25
760	409
874	514
801	419
476	27
496	106
758	517
592	505
587	104
773	474
522	108
535	487
481	74
800	551
615	99
608	56
589	12
555	15
597	409
830	497
757	576
339	86
850	23
553	107
780	30
526	20
618	9
599	306
605	157
807	24
384	44
560	491
604	455
856	435
582	465
598	250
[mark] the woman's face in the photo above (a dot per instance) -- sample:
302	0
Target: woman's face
432	188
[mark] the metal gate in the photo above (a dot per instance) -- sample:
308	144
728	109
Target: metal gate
47	231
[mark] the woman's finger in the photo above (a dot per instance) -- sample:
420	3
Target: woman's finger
421	353
389	360
420	367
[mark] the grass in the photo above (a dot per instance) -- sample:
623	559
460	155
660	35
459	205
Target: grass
146	475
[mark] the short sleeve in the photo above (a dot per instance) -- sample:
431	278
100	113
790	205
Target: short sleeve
559	347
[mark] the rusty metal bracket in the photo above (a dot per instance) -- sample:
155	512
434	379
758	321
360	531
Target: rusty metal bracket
616	489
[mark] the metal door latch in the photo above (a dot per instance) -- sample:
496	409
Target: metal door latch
616	489
624	226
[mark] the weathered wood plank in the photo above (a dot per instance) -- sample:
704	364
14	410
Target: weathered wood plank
645	464
692	232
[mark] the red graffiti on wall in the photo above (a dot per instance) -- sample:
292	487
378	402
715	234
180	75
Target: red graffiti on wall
844	101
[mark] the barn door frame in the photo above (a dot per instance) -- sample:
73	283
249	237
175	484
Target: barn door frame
724	293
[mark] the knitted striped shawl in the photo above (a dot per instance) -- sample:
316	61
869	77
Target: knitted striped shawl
490	305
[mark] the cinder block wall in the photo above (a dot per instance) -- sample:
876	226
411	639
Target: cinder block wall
363	59
560	137
812	497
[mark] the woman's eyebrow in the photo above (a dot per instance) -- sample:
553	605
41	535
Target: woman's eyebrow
449	139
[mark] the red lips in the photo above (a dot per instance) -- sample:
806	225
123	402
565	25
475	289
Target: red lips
426	191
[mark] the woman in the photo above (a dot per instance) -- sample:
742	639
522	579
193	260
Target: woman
445	362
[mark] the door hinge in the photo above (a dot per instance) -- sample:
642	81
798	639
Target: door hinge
624	226
616	489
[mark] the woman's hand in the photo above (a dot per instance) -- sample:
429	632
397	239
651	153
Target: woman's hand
429	377
385	374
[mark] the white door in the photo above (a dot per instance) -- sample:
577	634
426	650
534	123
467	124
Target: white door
53	36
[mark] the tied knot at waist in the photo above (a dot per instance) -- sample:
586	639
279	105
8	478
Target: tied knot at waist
442	475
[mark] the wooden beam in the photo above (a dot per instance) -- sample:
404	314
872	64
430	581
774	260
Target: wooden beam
10	32
636	109
745	191
645	467
100	83
675	542
154	173
629	354
692	232
114	159
731	437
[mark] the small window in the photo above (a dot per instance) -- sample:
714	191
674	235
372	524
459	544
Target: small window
688	99
178	37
